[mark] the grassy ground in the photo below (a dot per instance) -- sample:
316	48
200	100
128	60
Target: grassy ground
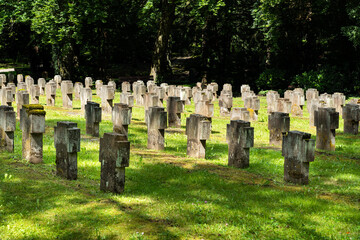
171	196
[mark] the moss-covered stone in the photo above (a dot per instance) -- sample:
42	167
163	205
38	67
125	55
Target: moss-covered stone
37	112
34	109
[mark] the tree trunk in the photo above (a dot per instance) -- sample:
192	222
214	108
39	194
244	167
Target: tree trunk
160	68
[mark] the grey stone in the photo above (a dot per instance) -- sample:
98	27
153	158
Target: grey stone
162	95
283	105
156	125
244	89
171	91
297	103
2	80
50	90
114	156
278	125
41	83
139	89
67	144
98	85
34	94
198	129
328	99
174	108
21	86
20	78
188	95
351	116
253	103
150	100
311	93
240	138
57	79
6	96
271	98
7	128
67	90
29	81
85	96
32	123
127	98
213	87
339	101
205	108
107	97
13	89
326	122
125	87
113	85
313	106
93	118
225	104
121	118
77	89
22	98
88	82
240	114
298	150
288	94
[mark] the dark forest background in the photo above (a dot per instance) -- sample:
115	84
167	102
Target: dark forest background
269	44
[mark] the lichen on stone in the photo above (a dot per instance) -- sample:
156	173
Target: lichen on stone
34	109
33	106
37	112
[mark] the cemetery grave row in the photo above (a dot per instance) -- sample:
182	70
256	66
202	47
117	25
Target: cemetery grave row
298	148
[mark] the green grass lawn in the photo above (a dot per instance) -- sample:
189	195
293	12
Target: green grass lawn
171	196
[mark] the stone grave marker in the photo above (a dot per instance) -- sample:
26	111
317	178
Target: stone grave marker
121	118
198	129
67	94
156	125
326	122
93	118
85	96
67	144
32	123
50	90
22	98
57	79
77	89
351	116
6	96
298	150
107	97
7	128
174	108
278	125
240	138
114	157
41	83
35	94
240	114
88	82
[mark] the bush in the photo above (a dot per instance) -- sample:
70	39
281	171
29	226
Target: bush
271	79
327	79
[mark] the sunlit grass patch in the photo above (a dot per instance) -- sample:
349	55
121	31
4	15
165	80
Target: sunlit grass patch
169	195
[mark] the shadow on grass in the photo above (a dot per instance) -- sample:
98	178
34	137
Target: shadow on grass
57	210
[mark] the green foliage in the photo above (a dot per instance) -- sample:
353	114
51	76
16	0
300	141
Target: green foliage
271	79
353	31
228	41
328	79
